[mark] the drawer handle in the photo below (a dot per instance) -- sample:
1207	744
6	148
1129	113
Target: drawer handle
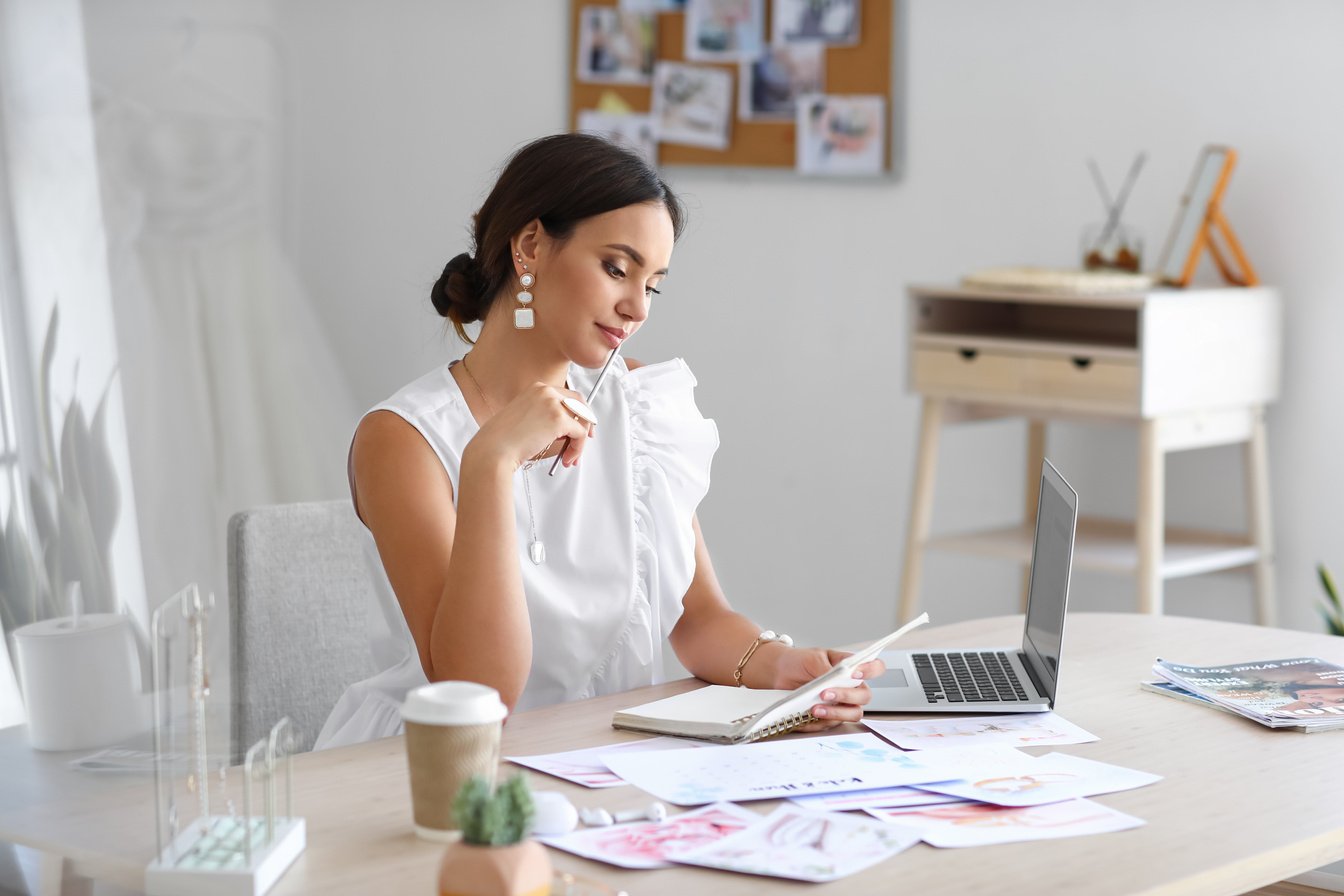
968	354
1081	363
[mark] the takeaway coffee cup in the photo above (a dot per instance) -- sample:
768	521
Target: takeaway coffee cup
452	733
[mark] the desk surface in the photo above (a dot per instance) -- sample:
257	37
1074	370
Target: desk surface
1240	806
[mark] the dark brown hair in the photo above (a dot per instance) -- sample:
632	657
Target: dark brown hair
559	180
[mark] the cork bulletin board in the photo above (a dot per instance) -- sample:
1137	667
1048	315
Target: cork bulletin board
863	67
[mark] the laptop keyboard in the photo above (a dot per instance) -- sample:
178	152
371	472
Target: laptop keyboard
968	677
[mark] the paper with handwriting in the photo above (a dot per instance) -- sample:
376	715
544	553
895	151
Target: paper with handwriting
878	798
794	766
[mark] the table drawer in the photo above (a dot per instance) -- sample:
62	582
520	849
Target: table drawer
1113	382
1045	378
941	370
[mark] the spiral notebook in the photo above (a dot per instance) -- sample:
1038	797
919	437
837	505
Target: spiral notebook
731	715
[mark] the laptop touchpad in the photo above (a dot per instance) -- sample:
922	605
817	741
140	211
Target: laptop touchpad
892	678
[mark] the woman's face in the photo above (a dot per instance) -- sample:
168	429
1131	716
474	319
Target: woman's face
594	290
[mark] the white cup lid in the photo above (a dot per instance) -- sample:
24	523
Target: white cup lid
453	703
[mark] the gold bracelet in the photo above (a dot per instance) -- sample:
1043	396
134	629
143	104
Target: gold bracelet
764	637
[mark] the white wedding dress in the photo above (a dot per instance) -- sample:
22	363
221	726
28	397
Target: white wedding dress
234	396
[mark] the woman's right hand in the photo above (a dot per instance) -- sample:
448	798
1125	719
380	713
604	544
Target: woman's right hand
533	426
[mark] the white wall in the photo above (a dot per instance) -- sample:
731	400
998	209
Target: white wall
786	294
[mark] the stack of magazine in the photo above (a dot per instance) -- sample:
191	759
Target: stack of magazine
1304	693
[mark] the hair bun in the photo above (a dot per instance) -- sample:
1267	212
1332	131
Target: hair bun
459	293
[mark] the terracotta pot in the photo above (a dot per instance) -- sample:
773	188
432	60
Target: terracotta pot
523	869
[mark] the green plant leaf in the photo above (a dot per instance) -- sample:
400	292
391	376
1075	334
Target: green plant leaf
102	490
1332	610
18	578
44	389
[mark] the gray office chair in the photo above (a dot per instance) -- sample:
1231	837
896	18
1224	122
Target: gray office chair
299	595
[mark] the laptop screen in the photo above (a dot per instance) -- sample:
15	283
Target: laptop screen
1051	563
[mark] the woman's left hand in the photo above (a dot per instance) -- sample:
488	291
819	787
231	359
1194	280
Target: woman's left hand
796	666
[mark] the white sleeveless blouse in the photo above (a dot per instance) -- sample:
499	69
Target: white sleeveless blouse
620	549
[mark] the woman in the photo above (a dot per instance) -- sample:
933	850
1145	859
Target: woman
553	587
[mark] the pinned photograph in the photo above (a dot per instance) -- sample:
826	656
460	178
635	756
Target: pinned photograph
692	104
841	135
724	30
771	83
615	45
831	21
633	131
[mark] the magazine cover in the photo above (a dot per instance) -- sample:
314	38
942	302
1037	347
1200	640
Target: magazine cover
1292	691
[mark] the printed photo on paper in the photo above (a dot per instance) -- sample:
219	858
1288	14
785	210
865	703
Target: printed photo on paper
831	21
653	5
615	45
841	135
632	131
770	84
692	104
724	30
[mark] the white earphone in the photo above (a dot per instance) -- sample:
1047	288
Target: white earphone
600	818
556	815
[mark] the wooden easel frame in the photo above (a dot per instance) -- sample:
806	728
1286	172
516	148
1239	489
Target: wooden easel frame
1205	200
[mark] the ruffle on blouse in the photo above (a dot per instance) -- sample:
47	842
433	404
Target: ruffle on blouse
671	448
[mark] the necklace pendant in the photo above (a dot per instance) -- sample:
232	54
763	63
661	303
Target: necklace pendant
537	551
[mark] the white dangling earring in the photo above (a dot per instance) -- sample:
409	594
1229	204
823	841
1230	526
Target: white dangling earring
523	317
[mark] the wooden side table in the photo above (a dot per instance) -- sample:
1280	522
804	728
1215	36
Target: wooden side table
1193	368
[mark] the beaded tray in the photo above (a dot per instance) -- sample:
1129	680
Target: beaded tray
1036	279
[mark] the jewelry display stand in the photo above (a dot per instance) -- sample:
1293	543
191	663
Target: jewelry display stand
214	853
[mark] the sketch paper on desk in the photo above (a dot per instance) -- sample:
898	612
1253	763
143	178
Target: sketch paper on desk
878	798
1025	730
648	844
773	769
1301	691
1036	780
804	845
978	824
584	767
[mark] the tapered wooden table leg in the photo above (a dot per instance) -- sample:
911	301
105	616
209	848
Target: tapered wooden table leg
921	507
1150	519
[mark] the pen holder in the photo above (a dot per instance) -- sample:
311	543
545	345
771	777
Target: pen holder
1118	249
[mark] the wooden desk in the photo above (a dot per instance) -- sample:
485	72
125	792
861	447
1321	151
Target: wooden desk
1192	368
1240	806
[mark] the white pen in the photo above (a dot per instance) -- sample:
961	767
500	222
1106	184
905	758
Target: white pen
597	384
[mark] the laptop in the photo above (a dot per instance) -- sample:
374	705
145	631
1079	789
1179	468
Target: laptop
1006	679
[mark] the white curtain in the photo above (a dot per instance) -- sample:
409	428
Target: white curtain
234	396
67	509
140	156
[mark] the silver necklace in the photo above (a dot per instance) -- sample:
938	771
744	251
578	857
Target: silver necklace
536	550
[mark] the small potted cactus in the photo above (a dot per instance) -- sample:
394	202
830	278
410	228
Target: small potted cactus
494	856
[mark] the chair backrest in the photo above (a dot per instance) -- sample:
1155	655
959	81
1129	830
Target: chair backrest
299	598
